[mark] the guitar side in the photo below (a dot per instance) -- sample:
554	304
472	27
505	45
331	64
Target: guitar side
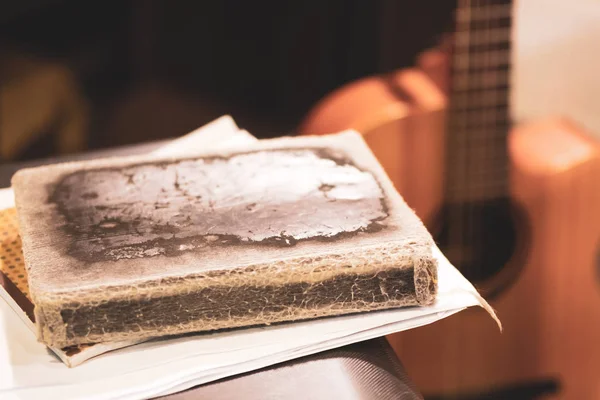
549	312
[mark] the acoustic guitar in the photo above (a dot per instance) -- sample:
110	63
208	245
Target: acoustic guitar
515	206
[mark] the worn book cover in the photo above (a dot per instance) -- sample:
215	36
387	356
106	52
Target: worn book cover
285	229
14	287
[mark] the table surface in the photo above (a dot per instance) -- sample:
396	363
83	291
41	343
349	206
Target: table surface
366	370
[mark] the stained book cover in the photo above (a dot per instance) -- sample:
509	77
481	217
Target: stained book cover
285	229
14	287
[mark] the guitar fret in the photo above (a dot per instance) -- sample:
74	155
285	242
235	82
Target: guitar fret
481	162
480	3
492	186
468	179
482	80
483	13
479	119
483	181
477	192
491	90
481	68
478	98
473	126
499	107
484	163
478	137
468	118
484	171
490	122
482	184
486	146
481	174
476	29
481	152
479	48
490	59
486	36
478	94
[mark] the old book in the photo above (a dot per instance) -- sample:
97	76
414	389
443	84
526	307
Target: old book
14	288
279	230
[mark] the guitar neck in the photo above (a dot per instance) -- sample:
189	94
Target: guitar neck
479	116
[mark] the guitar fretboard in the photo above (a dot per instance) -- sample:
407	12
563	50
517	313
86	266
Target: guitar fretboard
479	117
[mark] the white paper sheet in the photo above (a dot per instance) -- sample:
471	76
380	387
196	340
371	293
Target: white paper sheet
28	370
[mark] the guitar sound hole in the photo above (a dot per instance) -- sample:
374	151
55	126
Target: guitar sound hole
482	239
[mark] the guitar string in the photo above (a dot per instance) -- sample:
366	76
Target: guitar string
456	207
477	156
482	148
471	157
455	231
501	113
478	239
459	204
491	153
472	153
487	117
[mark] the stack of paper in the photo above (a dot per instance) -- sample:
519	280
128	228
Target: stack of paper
132	370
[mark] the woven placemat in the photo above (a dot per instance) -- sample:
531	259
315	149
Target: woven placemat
11	253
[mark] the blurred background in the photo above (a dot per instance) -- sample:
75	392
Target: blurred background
107	73
90	75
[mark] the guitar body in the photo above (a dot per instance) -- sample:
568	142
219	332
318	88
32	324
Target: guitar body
550	311
402	119
550	301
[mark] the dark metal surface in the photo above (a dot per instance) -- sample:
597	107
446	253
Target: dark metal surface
365	371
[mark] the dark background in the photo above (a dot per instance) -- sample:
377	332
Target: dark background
157	69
